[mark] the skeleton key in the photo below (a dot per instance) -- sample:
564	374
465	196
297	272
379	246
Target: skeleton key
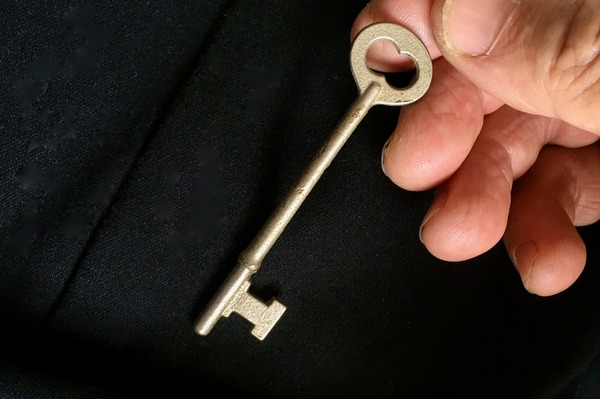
373	89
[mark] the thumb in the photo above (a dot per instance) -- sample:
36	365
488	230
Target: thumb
541	57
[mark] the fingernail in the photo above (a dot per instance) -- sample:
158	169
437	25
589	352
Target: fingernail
473	27
439	202
384	153
524	256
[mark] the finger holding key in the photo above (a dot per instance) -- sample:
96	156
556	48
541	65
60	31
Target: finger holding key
413	15
537	57
434	135
373	88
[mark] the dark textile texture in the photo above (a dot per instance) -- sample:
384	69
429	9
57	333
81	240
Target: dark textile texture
143	144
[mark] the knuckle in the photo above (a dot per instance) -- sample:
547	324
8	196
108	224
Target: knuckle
587	194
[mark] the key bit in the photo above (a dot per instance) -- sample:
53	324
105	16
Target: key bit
252	309
373	89
233	296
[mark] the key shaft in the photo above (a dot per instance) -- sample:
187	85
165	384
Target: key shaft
285	211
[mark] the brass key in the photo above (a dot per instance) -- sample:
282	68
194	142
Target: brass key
373	89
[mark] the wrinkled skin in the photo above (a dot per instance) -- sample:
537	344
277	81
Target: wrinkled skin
507	132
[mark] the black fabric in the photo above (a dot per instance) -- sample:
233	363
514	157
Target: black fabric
142	146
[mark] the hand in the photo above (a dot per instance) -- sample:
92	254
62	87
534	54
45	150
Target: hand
515	95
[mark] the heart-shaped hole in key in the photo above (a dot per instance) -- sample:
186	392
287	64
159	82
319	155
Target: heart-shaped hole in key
399	69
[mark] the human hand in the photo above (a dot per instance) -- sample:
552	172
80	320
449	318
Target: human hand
510	78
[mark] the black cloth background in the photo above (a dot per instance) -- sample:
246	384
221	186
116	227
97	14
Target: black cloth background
143	144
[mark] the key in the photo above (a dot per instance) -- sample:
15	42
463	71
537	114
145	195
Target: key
233	295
